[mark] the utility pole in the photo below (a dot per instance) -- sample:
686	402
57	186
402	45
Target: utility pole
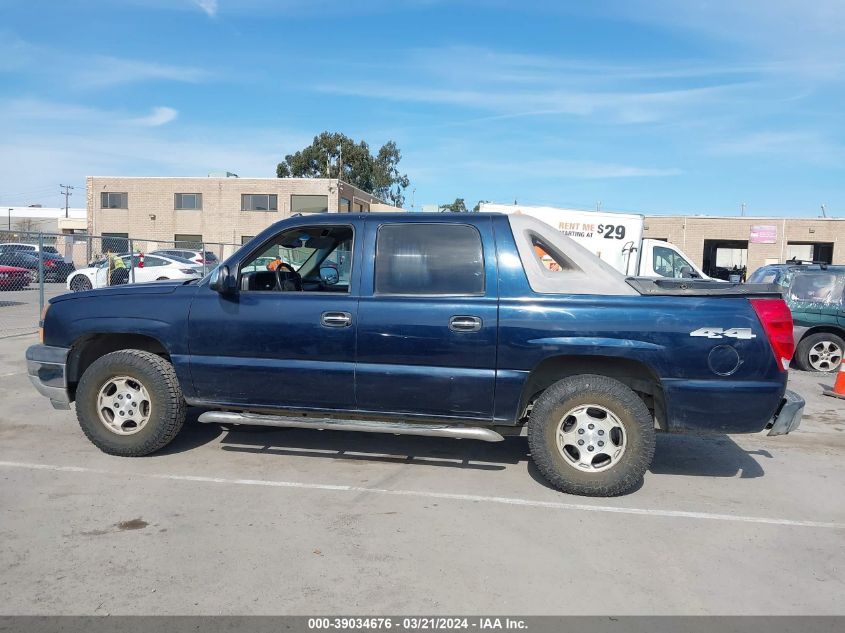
742	209
66	193
413	193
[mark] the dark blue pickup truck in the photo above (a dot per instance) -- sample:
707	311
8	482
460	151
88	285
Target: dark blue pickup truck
458	325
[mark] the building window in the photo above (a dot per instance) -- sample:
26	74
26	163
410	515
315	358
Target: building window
309	204
185	240
345	205
429	259
187	201
259	202
723	258
112	200
115	242
820	252
246	238
361	207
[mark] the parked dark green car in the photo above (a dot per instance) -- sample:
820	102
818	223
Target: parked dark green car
816	295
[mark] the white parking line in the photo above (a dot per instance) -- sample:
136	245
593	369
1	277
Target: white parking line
553	505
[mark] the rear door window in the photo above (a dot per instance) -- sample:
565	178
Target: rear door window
153	262
429	259
816	287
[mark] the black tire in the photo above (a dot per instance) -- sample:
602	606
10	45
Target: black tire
805	356
80	283
637	429
167	405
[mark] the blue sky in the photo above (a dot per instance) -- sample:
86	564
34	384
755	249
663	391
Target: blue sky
653	106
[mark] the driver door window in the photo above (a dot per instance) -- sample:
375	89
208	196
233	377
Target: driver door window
303	259
667	263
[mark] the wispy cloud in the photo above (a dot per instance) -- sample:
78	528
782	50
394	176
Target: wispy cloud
209	6
568	169
35	112
77	70
619	107
109	71
36	139
159	116
804	146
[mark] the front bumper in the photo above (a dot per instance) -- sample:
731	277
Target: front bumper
47	370
788	416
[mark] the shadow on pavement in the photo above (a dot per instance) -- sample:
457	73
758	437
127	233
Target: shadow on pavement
377	447
704	456
676	454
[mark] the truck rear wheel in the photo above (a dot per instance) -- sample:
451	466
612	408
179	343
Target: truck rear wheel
129	403
591	435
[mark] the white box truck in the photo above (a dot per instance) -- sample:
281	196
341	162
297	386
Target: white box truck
617	238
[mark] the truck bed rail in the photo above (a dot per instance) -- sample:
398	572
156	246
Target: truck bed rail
701	288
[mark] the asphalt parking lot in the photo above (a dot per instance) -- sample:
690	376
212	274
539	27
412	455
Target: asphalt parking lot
254	521
19	309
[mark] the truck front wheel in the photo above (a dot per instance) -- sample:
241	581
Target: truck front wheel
129	403
591	435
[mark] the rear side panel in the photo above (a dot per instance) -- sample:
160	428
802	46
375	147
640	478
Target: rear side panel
711	354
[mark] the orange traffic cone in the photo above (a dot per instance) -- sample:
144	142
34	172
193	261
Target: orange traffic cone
838	390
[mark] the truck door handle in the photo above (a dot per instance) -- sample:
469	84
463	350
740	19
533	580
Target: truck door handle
336	319
465	324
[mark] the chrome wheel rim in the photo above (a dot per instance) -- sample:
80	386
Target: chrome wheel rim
825	356
590	438
123	405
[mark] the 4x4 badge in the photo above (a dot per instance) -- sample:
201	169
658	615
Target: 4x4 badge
717	332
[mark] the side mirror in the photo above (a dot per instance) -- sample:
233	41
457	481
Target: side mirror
686	272
329	275
223	281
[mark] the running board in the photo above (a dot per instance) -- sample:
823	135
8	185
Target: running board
365	426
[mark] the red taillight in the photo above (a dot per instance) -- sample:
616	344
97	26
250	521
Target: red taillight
49	263
199	260
776	318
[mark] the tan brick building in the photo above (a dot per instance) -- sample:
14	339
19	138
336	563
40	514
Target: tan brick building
714	242
226	210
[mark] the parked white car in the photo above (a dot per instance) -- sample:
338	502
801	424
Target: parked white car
155	268
198	257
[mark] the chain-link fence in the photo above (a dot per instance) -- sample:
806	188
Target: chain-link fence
37	266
